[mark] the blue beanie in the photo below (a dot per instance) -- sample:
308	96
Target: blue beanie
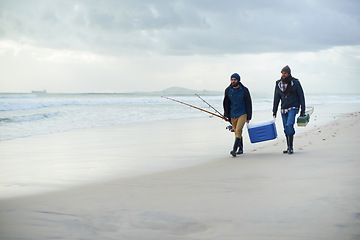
235	75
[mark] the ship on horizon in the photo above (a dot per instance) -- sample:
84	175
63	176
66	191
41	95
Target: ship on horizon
39	92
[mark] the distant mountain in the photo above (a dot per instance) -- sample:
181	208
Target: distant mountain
186	91
177	90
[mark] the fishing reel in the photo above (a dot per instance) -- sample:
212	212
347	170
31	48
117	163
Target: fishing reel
230	128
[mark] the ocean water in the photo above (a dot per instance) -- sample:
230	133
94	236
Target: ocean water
49	168
25	115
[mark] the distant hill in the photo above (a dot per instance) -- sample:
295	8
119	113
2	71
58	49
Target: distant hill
186	91
177	90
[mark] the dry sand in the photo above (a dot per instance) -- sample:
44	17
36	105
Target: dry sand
262	194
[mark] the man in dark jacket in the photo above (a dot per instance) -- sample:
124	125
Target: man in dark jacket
237	109
288	89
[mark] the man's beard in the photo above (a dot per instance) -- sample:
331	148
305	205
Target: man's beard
235	84
286	79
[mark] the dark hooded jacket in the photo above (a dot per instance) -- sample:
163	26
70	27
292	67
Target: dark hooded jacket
247	98
295	98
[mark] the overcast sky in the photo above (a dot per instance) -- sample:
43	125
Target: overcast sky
147	45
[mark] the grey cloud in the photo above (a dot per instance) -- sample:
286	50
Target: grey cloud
183	27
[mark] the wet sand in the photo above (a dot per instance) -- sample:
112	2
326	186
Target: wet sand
262	194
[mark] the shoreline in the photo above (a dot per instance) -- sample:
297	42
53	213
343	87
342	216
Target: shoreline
262	194
48	163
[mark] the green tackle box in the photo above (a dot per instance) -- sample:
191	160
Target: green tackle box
303	121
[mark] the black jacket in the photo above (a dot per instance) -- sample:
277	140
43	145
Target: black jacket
226	102
293	99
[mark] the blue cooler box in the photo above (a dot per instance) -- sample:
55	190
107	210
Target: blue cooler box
262	131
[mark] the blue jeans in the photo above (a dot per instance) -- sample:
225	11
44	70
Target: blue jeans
289	121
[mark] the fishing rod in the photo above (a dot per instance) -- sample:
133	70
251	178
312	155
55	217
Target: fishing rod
210	106
230	127
216	115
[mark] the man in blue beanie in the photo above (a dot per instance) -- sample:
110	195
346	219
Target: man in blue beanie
288	89
237	109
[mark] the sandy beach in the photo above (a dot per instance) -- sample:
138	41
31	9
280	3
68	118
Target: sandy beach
262	194
113	127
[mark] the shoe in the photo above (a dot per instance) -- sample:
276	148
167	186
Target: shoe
233	153
291	151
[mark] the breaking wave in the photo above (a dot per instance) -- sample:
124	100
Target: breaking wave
27	118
